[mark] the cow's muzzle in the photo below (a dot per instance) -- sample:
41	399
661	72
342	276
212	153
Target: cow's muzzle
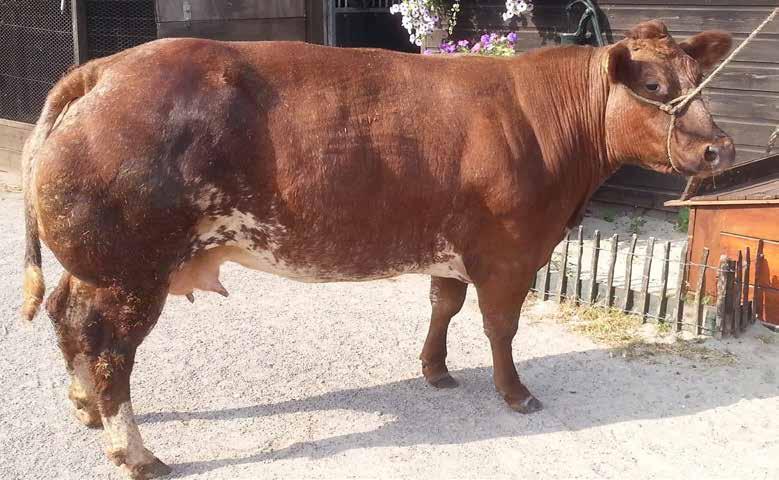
720	154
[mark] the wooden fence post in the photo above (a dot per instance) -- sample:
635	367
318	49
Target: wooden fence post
650	250
729	297
593	296
610	274
577	286
546	280
699	293
746	313
758	309
738	311
563	286
680	290
629	272
662	308
722	292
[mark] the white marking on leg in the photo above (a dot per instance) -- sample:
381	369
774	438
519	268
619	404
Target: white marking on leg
125	438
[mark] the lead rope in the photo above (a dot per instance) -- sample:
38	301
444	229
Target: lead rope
677	104
772	139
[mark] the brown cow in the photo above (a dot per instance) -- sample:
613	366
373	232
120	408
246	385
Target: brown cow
150	168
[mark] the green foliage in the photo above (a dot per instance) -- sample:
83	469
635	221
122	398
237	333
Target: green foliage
610	216
683	219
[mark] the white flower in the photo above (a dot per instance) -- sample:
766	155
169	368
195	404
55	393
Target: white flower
515	8
421	17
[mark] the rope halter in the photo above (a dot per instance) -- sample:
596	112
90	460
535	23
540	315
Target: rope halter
672	108
677	104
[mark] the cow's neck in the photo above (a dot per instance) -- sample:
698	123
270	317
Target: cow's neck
566	105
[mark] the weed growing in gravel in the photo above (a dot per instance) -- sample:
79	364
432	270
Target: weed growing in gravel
664	328
635	225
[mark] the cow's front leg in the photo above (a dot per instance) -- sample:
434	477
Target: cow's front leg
446	298
500	300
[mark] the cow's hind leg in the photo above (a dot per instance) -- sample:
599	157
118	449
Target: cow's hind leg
68	306
106	326
500	300
446	298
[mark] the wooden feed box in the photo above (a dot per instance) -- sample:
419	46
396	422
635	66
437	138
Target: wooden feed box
736	210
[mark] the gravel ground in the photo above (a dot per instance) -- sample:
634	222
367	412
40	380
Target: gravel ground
289	380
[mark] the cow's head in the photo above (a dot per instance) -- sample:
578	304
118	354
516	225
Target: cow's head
650	65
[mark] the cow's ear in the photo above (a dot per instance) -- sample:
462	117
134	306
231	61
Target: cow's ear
618	63
708	47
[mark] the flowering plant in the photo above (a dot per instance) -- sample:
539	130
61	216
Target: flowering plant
516	8
421	17
489	44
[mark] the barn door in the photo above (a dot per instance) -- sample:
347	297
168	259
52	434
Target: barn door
366	23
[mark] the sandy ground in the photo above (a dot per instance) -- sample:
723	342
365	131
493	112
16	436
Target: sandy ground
289	380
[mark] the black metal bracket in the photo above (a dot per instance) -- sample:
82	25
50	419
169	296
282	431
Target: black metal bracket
588	28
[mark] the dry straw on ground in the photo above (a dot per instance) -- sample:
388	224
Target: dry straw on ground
633	339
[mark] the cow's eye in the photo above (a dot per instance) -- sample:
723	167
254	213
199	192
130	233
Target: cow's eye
652	86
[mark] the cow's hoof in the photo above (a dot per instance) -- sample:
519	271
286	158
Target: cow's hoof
146	471
155	469
529	405
443	380
88	417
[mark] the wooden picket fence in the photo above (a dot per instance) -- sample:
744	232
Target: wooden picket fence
685	306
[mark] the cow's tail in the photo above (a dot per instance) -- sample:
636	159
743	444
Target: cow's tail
71	87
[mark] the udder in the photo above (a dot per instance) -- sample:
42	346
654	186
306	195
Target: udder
201	272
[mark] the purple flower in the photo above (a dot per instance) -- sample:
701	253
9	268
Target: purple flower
485	39
512	37
493	37
476	48
463	43
448	47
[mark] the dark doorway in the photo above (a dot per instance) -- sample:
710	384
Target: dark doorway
367	23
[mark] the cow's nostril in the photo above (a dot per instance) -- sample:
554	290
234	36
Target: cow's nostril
712	154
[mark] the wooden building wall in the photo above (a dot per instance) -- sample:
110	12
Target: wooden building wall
241	19
12	137
744	98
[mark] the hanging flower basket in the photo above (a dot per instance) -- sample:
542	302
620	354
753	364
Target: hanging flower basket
430	22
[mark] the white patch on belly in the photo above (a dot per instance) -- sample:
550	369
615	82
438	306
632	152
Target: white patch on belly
257	245
240	237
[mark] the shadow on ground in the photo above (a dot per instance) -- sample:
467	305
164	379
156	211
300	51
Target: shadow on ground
579	389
